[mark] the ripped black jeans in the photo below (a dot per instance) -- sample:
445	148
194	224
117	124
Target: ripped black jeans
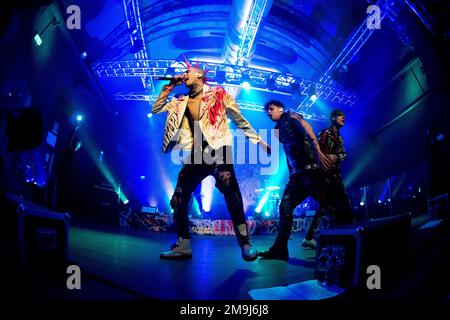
335	203
298	188
193	173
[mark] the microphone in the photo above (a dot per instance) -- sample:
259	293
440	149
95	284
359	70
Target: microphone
174	78
165	78
174	81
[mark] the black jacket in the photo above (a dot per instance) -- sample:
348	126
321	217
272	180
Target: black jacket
298	149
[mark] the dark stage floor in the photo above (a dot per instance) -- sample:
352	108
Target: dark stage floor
130	259
124	264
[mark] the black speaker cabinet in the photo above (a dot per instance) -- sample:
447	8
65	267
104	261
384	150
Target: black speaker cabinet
344	254
42	236
104	205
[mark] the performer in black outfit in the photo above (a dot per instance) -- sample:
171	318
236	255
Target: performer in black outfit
304	158
331	186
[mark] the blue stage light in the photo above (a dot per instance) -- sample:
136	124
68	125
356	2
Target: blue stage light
37	39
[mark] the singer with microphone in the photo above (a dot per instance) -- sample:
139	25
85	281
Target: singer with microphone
197	122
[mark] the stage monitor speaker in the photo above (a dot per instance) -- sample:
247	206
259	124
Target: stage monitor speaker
105	205
344	254
42	236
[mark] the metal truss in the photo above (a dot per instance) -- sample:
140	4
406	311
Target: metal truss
133	18
242	105
251	29
352	46
226	75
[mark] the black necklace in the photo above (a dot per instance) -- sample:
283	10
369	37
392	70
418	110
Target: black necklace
194	94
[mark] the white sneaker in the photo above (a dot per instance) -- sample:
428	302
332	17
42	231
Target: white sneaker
309	243
180	251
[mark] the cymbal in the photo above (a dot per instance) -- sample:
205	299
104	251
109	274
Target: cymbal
273	188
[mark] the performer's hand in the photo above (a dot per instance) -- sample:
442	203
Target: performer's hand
333	158
265	147
324	162
177	80
167	88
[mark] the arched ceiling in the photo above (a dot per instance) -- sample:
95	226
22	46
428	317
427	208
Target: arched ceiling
296	37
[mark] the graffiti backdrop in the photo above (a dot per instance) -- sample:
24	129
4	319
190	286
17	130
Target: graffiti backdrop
165	223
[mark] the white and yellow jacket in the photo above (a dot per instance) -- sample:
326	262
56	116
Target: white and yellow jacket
215	105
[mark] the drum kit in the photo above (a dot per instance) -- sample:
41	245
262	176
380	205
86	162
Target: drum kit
273	202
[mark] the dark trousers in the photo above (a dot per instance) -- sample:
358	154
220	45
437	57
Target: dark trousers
299	187
335	202
192	174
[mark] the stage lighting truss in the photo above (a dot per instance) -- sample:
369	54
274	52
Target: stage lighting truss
351	47
138	48
251	29
259	79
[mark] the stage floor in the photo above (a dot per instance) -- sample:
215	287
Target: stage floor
123	264
129	259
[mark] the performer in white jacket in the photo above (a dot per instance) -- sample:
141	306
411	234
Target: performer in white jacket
197	122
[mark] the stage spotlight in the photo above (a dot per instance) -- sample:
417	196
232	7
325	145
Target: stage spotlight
149	115
138	44
83	55
37	36
142	177
79	118
133	32
245	81
78	146
312	93
361	203
37	39
246	85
